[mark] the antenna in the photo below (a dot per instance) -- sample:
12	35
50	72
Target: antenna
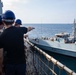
74	29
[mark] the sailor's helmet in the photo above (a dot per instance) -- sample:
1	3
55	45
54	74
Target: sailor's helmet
8	16
18	21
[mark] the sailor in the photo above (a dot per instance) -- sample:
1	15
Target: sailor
1	25
18	23
11	40
1	50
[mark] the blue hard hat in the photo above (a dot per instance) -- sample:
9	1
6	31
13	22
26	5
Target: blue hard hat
18	21
8	15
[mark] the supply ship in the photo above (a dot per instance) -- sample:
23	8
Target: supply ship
35	64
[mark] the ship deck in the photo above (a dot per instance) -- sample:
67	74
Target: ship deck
44	64
40	62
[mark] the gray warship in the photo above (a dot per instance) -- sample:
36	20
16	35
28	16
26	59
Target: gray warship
62	43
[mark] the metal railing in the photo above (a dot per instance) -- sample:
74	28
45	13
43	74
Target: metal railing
46	65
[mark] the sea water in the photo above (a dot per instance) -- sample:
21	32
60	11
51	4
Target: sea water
49	30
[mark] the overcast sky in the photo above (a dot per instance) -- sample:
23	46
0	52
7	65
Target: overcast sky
42	11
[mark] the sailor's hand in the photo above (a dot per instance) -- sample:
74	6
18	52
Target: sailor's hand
25	35
30	28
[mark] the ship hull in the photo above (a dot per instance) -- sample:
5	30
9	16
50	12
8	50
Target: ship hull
55	47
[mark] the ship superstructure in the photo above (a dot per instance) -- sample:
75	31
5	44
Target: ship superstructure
1	5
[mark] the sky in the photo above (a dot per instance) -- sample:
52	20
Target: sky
42	11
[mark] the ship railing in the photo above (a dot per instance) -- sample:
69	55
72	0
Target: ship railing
47	65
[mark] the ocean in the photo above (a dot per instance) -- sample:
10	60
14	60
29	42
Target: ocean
49	30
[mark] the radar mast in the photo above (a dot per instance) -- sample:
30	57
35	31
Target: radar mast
74	29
